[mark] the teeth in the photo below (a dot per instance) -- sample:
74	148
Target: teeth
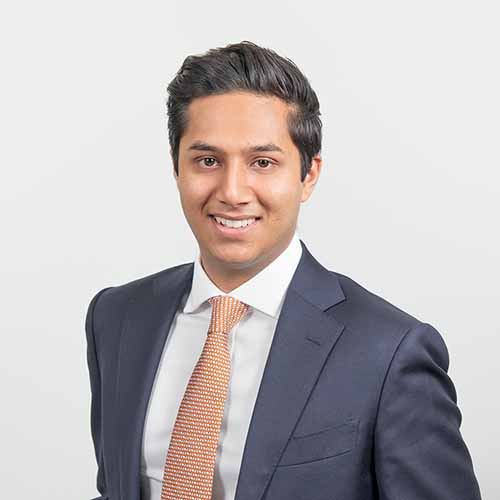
234	223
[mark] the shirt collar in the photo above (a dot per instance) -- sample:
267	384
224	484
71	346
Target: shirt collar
264	291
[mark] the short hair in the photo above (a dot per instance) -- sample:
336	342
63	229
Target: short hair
246	66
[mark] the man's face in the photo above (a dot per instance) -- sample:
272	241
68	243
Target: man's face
222	173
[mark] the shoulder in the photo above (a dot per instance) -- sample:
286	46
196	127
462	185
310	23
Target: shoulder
114	298
376	322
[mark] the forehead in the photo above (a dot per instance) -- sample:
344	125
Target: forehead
236	119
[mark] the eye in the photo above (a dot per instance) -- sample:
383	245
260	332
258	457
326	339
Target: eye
210	158
267	163
209	161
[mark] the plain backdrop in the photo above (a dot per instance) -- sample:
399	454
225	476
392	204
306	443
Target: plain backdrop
407	203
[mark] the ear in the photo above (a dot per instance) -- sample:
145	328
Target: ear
312	178
176	177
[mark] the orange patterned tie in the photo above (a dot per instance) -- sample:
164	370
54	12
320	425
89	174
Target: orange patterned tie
190	462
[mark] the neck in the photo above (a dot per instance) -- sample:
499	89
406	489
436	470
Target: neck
229	279
229	276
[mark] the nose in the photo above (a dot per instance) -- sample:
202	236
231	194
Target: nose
233	187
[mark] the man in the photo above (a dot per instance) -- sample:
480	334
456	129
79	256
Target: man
254	373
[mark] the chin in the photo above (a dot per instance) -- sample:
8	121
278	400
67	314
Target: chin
236	259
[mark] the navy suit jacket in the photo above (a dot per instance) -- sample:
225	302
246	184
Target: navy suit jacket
355	402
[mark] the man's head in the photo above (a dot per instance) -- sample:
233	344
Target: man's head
245	138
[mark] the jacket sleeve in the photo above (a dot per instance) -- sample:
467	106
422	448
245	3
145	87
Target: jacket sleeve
95	386
418	448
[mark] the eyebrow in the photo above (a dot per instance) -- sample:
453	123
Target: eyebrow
258	148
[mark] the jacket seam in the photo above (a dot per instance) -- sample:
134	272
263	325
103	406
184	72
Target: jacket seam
396	350
387	373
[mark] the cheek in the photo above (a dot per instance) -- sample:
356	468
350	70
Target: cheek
281	197
193	195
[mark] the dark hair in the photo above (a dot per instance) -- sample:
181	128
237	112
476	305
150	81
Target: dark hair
247	67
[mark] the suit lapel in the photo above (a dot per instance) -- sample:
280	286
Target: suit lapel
303	339
147	323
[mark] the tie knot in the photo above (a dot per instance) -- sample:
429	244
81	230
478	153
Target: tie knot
226	312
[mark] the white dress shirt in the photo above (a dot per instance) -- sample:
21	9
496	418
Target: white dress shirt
249	344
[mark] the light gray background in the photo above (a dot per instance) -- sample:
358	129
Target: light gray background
407	203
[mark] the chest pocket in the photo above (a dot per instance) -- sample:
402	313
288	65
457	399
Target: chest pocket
334	440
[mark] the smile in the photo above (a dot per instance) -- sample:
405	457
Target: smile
233	227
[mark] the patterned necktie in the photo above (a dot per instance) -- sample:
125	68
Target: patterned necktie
190	462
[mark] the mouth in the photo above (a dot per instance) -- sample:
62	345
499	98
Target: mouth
226	230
